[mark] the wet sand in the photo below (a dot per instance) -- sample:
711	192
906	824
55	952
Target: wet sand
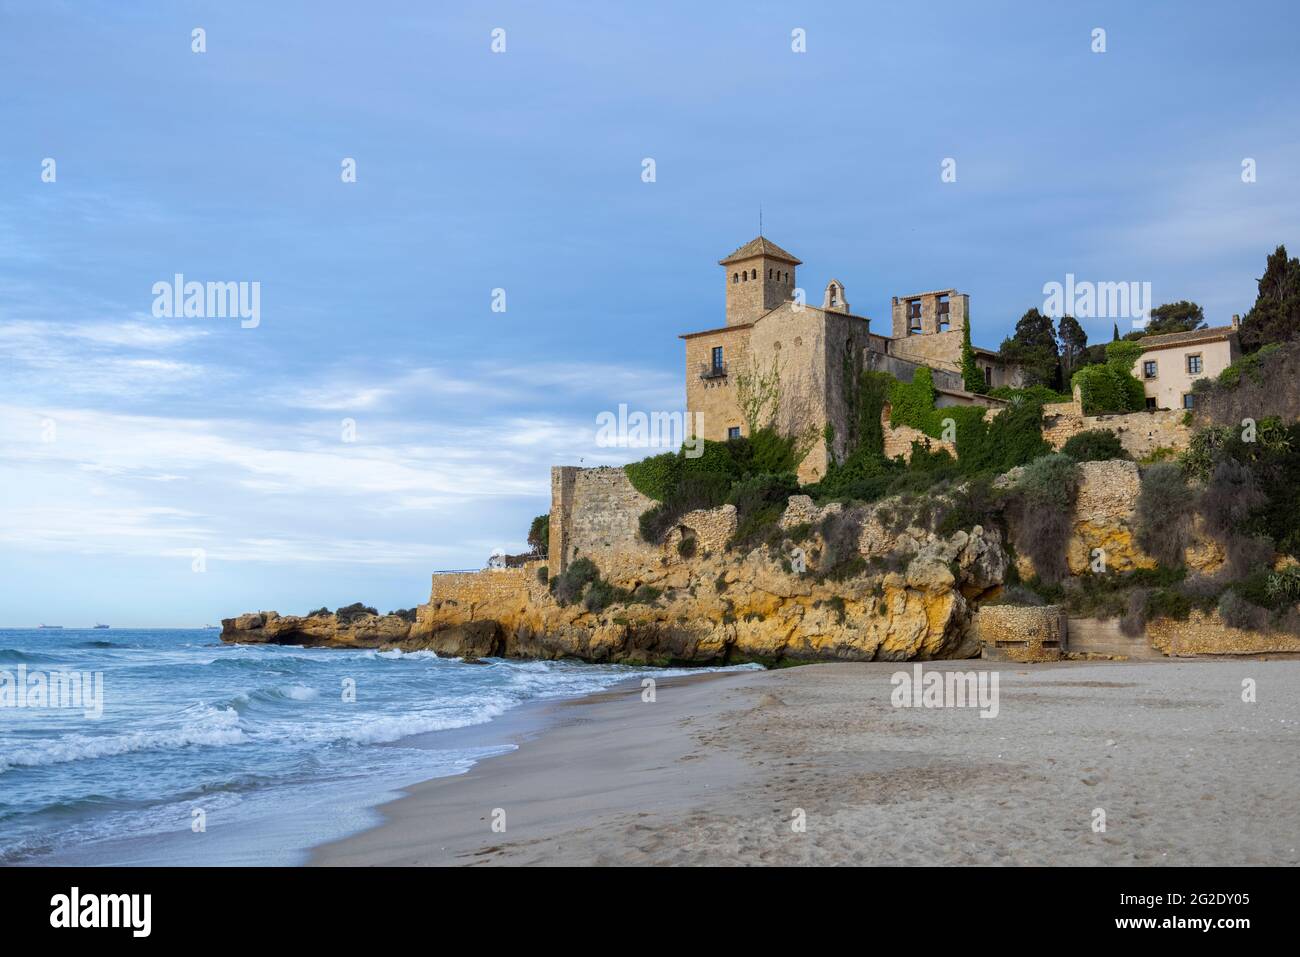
721	768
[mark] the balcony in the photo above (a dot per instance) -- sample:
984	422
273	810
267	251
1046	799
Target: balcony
713	370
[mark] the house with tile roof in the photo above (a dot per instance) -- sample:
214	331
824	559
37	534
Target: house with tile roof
1170	363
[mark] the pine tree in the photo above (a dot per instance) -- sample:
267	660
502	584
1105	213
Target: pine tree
1275	317
1034	349
1074	342
1181	316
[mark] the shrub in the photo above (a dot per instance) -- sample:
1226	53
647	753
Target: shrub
1043	503
1284	585
760	502
1105	389
600	595
1018	595
567	587
1162	515
975	503
1237	612
1226	504
1014	437
655	477
543	574
839	532
715	458
1134	620
773	453
406	614
693	491
912	403
349	613
1094	445
1040	394
321	612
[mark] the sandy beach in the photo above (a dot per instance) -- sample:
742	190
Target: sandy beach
718	768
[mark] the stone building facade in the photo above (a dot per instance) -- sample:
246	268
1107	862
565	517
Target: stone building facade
771	328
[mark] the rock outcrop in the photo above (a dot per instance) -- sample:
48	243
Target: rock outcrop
901	594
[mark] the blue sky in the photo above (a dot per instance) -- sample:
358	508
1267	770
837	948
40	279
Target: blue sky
522	171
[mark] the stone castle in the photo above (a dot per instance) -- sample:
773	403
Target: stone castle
769	326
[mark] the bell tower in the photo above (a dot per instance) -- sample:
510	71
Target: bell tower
760	275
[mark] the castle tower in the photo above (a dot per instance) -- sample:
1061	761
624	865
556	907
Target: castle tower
760	276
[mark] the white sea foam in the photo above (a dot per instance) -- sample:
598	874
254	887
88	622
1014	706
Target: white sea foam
216	728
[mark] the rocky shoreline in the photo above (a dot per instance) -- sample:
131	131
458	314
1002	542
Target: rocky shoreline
903	594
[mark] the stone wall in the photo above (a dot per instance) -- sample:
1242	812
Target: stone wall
469	591
1021	632
1060	421
595	513
899	438
904	369
1205	634
711	528
1102	636
940	349
1140	433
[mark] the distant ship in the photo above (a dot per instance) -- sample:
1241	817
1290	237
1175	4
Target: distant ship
209	627
49	627
101	626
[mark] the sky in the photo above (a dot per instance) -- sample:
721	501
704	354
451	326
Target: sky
170	471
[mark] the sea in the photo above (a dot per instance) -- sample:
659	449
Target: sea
205	753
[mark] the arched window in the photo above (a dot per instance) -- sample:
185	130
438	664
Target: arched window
755	273
744	276
735	277
769	273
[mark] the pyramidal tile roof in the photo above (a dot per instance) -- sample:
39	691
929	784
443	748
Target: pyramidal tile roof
760	247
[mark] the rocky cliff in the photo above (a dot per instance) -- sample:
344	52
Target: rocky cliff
826	585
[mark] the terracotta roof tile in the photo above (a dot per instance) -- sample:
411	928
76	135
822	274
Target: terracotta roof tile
760	247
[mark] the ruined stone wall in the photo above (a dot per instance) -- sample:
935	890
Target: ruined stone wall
1140	433
1021	632
490	587
596	513
1061	420
899	438
711	528
1205	634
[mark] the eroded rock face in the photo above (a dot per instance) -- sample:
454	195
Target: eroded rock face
1104	519
907	598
